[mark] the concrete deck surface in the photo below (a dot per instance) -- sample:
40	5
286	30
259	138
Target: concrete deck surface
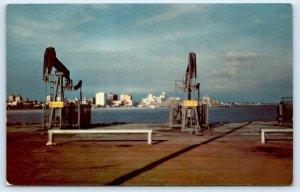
229	154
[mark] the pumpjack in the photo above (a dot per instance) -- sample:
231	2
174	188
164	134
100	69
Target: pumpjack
58	111
189	114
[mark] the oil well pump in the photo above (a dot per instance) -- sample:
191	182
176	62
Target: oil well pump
59	112
189	114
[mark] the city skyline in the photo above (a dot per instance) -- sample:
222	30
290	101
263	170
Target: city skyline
244	51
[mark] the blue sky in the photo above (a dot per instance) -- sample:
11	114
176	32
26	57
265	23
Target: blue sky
244	51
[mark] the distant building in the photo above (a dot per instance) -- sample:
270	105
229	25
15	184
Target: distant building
148	100
154	100
210	101
18	98
206	100
117	103
48	98
214	102
87	101
101	99
12	98
111	98
92	100
126	99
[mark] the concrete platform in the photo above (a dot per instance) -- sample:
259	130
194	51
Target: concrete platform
229	154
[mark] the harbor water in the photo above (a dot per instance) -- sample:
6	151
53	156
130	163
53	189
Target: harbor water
156	115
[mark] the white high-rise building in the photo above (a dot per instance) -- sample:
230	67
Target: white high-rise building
154	100
101	99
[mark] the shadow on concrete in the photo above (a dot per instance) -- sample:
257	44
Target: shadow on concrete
128	176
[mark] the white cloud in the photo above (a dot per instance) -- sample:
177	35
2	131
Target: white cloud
243	59
237	71
81	21
235	54
225	72
172	12
258	21
18	30
23	28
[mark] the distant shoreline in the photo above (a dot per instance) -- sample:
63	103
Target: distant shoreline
156	107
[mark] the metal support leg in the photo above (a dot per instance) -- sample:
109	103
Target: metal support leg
197	128
263	137
150	138
50	139
79	115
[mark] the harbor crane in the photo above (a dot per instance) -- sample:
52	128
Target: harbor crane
189	114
